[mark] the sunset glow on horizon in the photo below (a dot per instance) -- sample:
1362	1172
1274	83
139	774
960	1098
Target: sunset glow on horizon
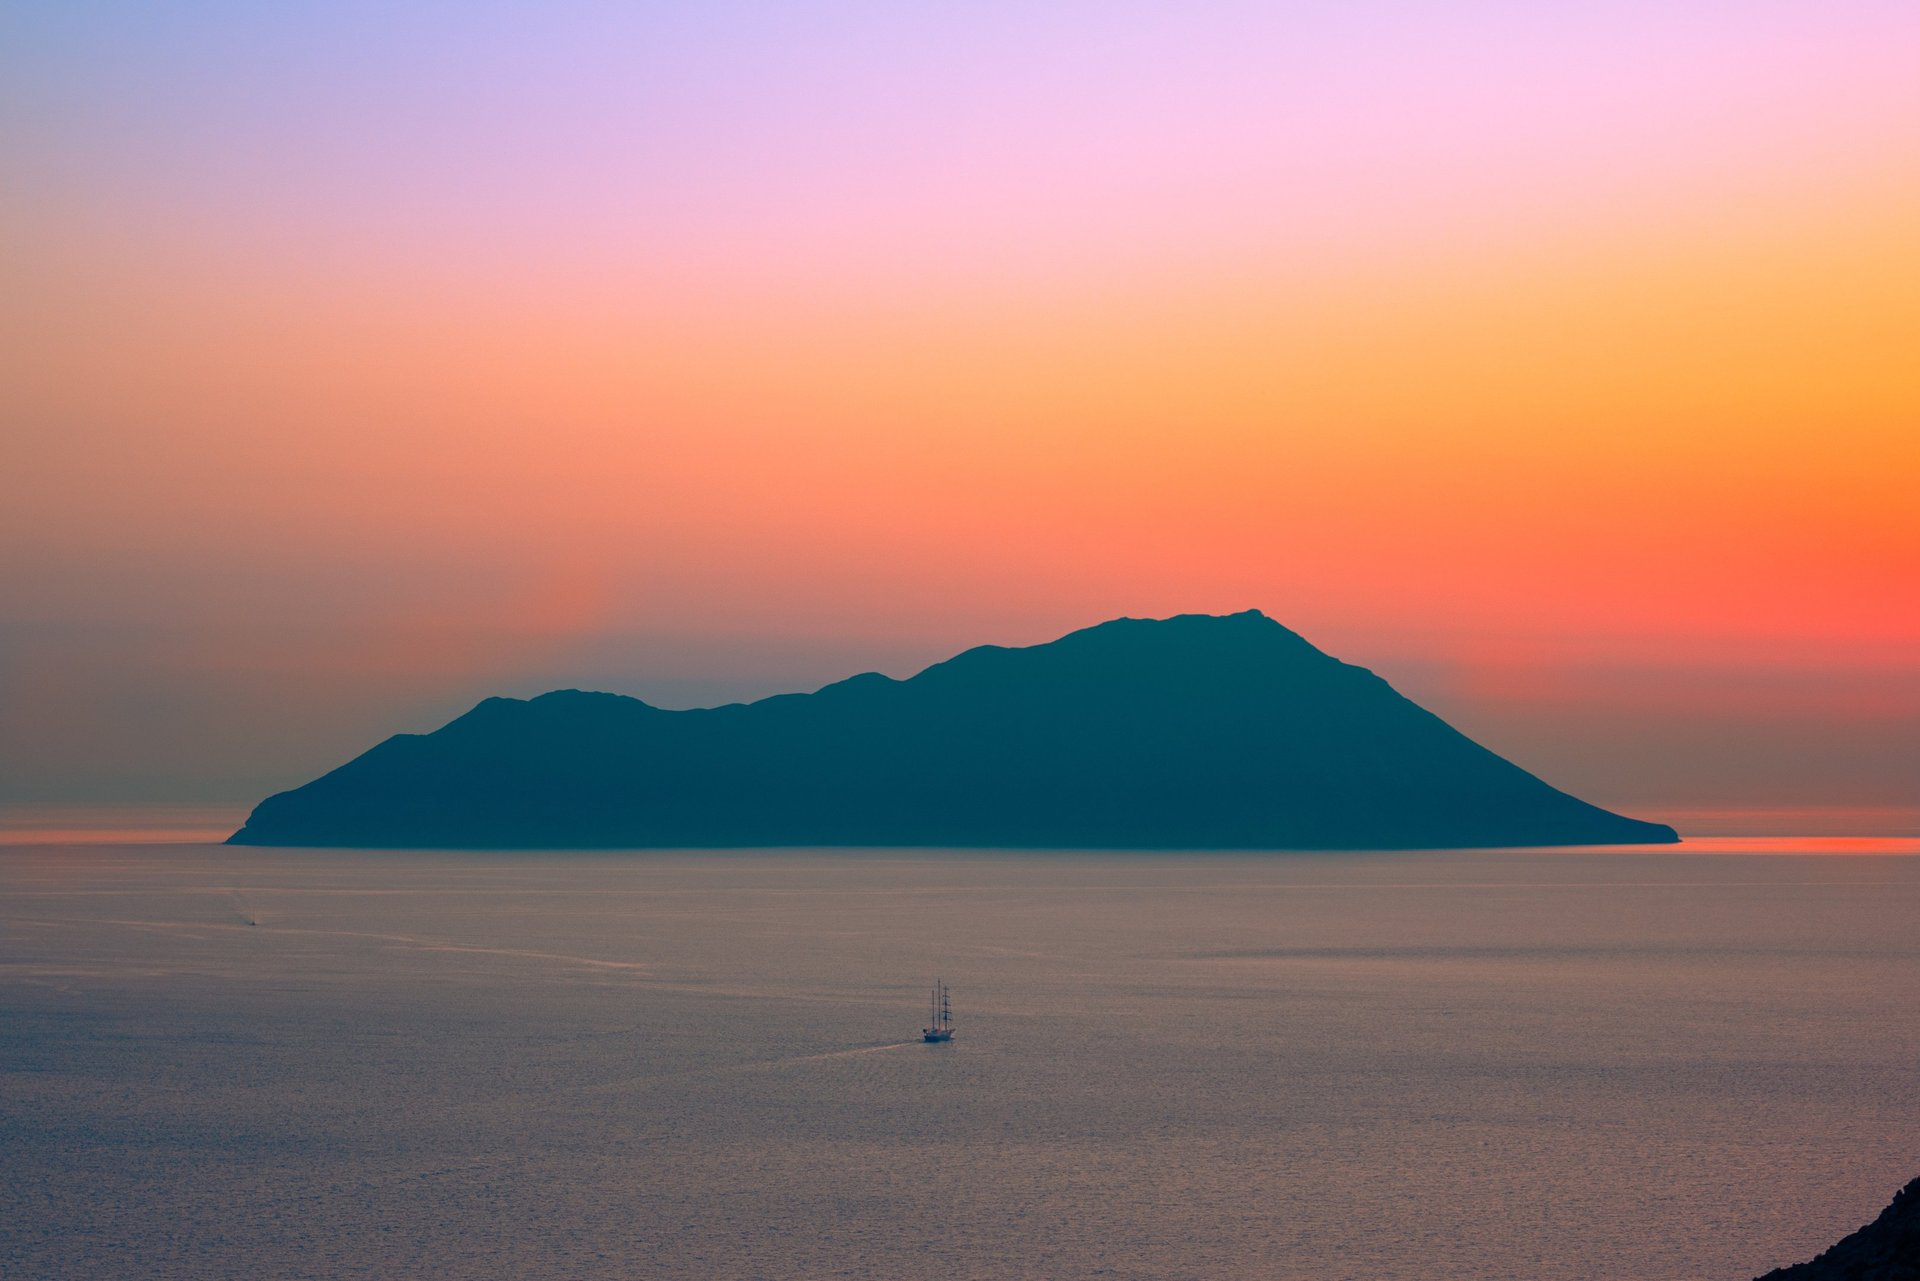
1560	367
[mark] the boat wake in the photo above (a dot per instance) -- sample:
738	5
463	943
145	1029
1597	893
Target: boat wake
835	1054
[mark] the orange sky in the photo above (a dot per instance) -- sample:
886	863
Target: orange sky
1692	435
1628	388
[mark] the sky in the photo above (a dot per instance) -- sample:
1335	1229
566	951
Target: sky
359	361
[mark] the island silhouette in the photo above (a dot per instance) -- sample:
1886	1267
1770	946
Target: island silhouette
1193	732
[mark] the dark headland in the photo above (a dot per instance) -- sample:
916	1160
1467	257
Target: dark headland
1888	1249
1195	732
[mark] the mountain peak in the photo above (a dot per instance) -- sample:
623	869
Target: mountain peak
1200	730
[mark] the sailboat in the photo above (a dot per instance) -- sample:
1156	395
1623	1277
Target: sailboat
939	1014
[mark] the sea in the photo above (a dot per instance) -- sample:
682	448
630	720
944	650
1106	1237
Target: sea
1653	1063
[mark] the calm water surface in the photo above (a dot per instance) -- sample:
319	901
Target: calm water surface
254	1063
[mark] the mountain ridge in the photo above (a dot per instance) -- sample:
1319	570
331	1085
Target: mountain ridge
1202	731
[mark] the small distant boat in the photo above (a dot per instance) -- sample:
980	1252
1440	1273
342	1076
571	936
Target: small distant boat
939	1014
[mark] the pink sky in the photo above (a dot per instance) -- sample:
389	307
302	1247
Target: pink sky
1556	365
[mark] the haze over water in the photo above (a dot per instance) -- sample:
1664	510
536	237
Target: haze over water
220	1062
